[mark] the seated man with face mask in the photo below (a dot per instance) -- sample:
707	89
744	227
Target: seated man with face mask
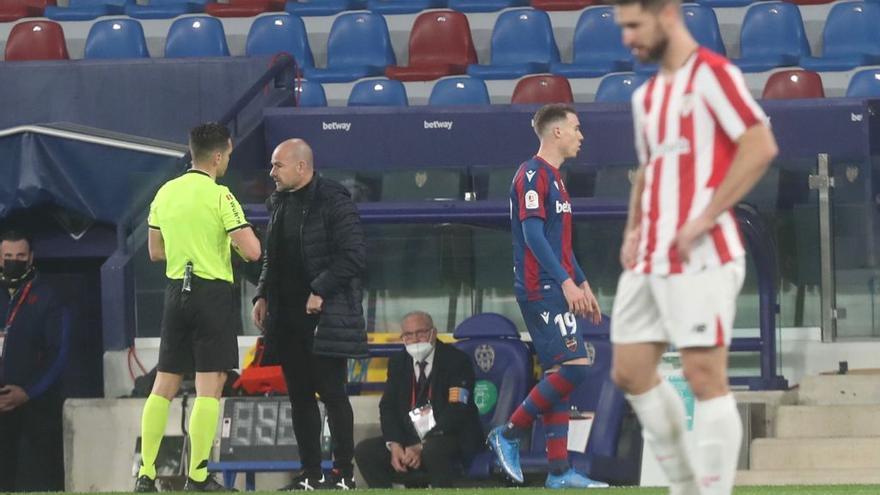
430	425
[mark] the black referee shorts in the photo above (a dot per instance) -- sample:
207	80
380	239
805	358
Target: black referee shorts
199	328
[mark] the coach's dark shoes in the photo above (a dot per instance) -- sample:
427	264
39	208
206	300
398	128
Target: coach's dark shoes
305	481
335	480
209	485
145	484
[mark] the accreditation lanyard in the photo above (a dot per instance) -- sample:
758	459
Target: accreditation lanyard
413	396
13	311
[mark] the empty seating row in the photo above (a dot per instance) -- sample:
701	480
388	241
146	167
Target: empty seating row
523	42
549	88
11	10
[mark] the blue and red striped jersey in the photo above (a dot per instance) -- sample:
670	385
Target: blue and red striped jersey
538	191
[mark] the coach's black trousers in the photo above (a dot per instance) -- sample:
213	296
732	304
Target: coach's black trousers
307	374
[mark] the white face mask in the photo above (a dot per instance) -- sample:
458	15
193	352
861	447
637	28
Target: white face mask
419	350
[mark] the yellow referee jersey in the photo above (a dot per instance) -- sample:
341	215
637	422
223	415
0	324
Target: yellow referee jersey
195	216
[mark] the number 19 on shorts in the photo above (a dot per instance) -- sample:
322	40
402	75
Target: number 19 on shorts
567	324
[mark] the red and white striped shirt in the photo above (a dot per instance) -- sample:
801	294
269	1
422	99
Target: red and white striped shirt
686	129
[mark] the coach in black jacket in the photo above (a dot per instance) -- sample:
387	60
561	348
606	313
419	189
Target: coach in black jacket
428	372
309	305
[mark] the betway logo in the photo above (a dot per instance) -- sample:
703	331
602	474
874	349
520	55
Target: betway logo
563	207
336	126
439	124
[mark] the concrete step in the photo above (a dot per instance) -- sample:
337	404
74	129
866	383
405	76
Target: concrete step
815	453
829	390
809	477
828	421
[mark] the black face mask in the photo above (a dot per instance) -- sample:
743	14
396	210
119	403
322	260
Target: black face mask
15	270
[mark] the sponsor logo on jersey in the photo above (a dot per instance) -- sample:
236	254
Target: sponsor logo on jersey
563	207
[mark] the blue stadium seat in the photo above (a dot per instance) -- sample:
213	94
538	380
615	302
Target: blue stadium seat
279	33
725	3
116	38
616	88
522	43
851	38
308	8
378	92
389	7
165	9
703	25
358	46
200	36
310	94
485	5
598	46
503	369
864	84
459	91
772	35
84	10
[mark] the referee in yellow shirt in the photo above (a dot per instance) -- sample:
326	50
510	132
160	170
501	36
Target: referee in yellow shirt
193	221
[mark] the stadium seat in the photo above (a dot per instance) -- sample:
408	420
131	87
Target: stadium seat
618	88
703	25
310	94
812	2
243	8
440	44
116	38
378	92
851	38
562	4
503	370
36	40
358	46
522	43
597	48
459	91
199	36
772	35
308	8
725	3
84	10
13	10
280	33
485	5
391	7
864	84
792	84
542	88
165	9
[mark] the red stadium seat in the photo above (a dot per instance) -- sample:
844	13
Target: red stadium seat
809	2
791	84
36	40
243	8
543	88
562	4
440	44
13	10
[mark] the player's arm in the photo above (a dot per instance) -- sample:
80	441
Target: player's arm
533	232
245	243
756	149
632	232
156	245
743	121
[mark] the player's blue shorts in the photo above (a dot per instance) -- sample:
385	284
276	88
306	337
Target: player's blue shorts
553	329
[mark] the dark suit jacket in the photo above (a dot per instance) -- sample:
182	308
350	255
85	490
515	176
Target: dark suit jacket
451	368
